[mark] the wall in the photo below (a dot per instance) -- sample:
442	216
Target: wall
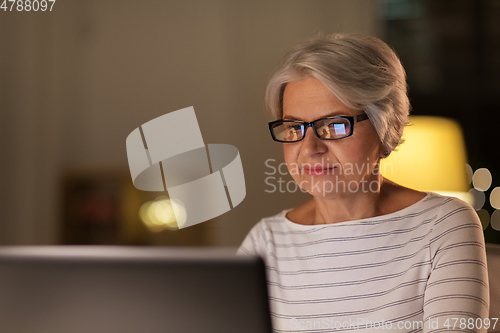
76	81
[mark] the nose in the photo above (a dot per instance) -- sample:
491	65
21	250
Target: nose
311	144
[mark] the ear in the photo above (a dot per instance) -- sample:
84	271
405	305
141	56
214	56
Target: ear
384	152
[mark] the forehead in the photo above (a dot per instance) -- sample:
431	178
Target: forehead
309	99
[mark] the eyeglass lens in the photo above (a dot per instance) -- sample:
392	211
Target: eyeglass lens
335	128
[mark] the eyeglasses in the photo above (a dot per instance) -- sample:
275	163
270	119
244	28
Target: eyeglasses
329	128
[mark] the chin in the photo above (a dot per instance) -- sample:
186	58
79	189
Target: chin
321	186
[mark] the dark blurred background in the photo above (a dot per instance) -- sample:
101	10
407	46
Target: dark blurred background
451	52
74	82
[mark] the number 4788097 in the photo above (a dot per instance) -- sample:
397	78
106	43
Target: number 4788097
27	5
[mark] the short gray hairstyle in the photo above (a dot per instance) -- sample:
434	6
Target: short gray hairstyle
361	70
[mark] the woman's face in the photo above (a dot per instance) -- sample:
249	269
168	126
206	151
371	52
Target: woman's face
329	167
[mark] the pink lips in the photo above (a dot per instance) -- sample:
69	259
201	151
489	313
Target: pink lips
317	170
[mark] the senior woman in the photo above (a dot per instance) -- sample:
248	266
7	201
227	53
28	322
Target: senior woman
363	253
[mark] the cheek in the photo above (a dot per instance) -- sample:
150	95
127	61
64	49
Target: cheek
374	150
290	155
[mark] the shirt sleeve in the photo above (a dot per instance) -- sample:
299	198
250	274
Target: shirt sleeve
250	245
457	294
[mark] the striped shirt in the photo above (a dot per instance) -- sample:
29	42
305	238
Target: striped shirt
420	269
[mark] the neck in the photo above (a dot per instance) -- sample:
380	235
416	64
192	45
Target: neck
349	206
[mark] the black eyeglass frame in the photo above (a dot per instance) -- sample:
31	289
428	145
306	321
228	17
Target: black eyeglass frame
352	120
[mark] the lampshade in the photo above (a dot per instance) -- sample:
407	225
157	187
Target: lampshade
432	158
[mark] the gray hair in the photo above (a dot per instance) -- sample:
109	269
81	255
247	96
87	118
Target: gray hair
362	71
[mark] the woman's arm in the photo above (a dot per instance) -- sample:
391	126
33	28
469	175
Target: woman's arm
457	293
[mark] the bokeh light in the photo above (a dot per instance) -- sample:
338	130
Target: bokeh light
484	216
468	170
495	220
482	179
495	198
476	198
163	213
179	211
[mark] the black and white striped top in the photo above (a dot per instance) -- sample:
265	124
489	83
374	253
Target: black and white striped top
421	269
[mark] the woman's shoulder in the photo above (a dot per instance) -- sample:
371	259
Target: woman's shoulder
396	198
272	222
446	213
256	241
399	198
452	210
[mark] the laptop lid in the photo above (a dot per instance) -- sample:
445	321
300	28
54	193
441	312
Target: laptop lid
125	289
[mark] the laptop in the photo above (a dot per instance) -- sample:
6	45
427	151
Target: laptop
87	289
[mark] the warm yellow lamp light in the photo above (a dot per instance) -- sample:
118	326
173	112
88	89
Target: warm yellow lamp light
432	158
